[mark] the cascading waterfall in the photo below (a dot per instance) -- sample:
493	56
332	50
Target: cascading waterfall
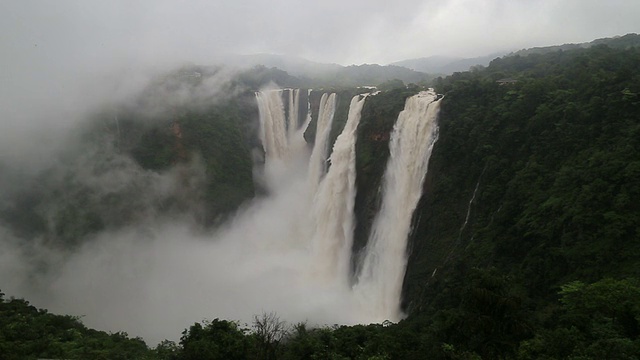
325	220
318	160
294	108
272	124
307	121
414	135
334	203
263	259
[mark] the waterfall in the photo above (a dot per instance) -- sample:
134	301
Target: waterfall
272	124
294	109
308	119
466	218
334	202
287	251
380	278
320	204
318	160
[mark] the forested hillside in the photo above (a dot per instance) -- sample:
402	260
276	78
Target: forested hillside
530	193
181	147
617	42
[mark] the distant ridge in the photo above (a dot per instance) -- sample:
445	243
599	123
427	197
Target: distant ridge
323	74
443	65
294	65
618	42
418	70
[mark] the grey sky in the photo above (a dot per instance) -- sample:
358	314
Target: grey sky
154	31
53	53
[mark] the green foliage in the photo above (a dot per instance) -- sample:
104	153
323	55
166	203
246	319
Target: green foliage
391	84
155	149
105	179
621	42
596	321
372	151
218	135
554	157
217	339
260	76
343	100
30	333
543	171
367	75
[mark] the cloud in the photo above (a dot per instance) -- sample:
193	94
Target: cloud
157	275
156	32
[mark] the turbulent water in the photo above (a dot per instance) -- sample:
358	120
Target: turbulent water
273	132
318	160
329	199
294	108
334	201
383	268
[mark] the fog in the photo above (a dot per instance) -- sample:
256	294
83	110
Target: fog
158	274
155	279
152	272
75	32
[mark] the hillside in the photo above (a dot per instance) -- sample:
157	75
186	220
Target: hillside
529	190
313	74
443	65
618	42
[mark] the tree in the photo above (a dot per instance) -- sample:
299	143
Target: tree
391	84
269	331
216	340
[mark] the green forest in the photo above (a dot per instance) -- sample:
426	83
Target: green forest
525	245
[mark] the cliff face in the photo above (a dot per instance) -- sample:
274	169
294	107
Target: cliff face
127	165
531	179
379	114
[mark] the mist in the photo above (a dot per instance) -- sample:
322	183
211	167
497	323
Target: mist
155	279
150	271
160	275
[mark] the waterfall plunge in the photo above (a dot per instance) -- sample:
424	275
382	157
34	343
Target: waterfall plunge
277	254
334	201
322	222
318	160
380	279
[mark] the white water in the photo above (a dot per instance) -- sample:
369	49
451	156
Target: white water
281	136
325	213
318	234
313	231
334	202
265	259
294	107
272	124
318	160
380	279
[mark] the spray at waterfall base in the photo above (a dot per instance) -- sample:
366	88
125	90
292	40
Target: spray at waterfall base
325	229
287	252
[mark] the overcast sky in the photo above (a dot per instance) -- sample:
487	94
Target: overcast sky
52	53
84	32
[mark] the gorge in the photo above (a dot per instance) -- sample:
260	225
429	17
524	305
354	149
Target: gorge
514	235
